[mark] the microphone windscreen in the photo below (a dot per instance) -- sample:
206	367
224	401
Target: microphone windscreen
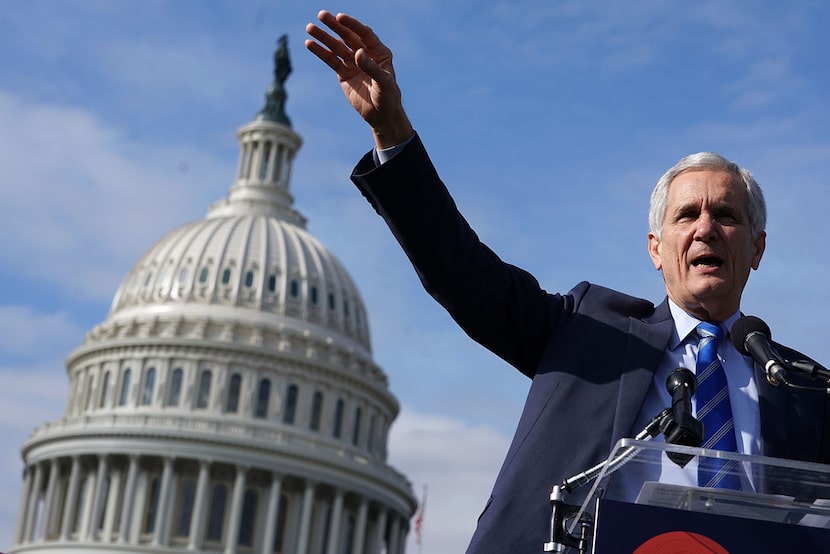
744	327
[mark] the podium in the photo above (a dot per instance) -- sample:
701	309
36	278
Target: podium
643	503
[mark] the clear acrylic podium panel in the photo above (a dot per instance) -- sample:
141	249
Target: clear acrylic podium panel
775	490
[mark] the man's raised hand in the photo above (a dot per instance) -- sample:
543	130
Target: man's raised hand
363	65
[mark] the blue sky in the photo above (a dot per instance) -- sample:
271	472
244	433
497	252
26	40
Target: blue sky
118	122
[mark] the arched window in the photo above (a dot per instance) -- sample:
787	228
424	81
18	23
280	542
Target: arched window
203	275
226	276
313	295
358	414
249	278
272	283
316	410
295	288
290	412
203	396
246	524
338	418
125	388
232	404
184	514
263	395
174	393
149	387
216	516
103	393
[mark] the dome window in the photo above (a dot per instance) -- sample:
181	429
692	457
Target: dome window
89	390
246	524
148	278
216	518
316	410
149	386
290	405
186	504
175	392
346	308
266	159
295	288
371	434
332	303
182	275
151	511
203	275
358	413
226	276
104	390
203	397
314	295
249	278
232	404
338	418
125	388
164	276
272	283
262	397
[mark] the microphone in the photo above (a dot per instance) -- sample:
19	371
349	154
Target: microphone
751	337
680	426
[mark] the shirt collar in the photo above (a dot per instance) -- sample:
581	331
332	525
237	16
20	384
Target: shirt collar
684	324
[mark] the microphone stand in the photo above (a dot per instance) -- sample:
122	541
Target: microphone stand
560	537
812	370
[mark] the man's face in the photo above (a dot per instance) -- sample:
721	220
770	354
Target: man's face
706	250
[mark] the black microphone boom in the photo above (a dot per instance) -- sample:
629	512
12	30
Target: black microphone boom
751	337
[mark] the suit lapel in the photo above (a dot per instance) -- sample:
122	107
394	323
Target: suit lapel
647	340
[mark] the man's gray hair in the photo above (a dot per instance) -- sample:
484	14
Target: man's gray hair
707	160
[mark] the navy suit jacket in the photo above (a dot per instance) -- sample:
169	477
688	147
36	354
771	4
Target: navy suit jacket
591	353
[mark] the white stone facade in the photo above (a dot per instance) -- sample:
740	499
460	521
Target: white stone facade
229	403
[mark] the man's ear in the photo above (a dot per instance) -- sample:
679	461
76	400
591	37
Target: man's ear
654	251
760	244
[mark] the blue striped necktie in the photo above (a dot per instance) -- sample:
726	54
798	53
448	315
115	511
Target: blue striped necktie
714	411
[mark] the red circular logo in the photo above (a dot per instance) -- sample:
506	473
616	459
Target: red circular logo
680	542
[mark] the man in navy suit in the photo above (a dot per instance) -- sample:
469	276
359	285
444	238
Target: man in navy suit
598	359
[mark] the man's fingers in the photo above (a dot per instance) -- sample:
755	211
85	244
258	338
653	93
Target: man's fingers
335	46
348	37
330	59
363	34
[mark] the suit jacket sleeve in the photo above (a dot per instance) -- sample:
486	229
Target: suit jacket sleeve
497	304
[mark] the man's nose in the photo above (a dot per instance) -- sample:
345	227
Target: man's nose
706	228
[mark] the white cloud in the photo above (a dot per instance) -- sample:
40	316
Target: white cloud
457	463
26	332
73	181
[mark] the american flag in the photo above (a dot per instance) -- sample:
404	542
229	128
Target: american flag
419	518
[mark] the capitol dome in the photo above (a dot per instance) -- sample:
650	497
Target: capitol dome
229	401
250	259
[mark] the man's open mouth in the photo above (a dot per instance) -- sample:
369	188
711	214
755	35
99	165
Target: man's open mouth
707	261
